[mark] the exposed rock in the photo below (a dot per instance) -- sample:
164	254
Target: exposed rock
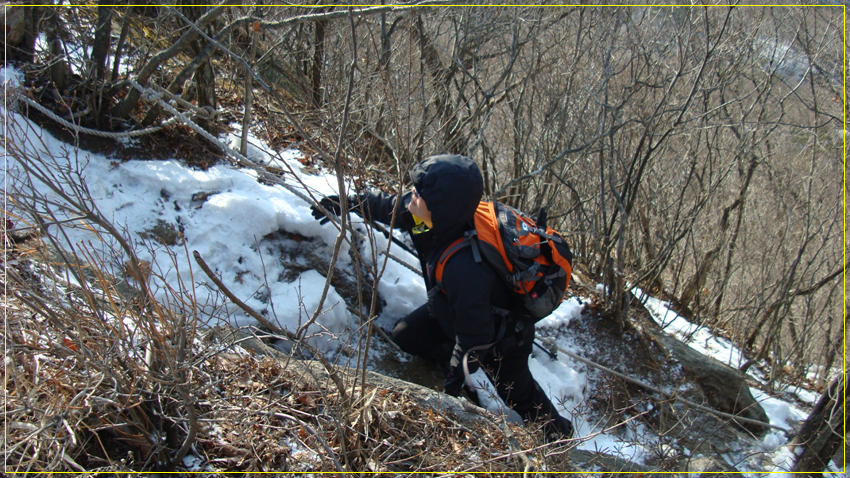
14	21
725	388
199	198
163	232
465	410
299	254
596	462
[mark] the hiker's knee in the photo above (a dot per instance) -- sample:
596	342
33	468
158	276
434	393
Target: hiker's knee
412	332
404	337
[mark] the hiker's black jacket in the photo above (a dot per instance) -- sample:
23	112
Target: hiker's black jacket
471	289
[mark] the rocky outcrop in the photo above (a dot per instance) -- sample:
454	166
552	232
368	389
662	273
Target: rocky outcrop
14	20
725	389
465	410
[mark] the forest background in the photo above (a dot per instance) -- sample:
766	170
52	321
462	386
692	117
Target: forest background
694	152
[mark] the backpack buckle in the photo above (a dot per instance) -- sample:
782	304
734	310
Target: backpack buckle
471	238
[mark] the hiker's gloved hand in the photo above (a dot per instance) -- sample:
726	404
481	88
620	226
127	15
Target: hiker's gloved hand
454	382
332	205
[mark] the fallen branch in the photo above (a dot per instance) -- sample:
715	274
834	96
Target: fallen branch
273	328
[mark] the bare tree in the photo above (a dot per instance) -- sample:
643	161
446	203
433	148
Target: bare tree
822	433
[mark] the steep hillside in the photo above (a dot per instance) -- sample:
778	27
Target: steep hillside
124	355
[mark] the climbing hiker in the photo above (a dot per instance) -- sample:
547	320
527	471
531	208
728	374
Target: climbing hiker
471	319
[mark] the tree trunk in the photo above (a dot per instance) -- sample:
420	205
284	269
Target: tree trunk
739	204
205	82
176	86
657	283
22	28
125	28
823	432
318	63
249	95
695	284
59	69
204	75
102	40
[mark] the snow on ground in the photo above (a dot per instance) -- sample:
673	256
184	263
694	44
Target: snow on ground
238	211
699	338
781	413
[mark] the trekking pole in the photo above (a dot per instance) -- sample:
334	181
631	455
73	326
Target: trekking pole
740	420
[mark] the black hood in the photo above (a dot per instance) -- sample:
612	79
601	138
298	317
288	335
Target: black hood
451	186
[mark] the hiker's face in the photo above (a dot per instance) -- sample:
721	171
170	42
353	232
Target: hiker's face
418	208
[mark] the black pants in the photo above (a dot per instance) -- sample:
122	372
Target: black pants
506	363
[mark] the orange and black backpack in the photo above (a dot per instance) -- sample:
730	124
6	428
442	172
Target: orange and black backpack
534	261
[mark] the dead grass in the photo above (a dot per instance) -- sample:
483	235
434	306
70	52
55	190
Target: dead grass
97	383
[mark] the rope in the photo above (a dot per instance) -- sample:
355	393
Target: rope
93	132
156	96
207	112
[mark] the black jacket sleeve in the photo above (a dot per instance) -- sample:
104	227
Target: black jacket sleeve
378	206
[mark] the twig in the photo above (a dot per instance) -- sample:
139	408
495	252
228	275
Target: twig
379	330
529	465
183	390
262	320
318	437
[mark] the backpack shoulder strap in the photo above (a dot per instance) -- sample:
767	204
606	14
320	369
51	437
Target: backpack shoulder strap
468	240
486	231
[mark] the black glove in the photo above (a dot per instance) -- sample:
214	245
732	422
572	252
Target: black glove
331	205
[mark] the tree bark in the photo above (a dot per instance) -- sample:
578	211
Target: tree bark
318	63
249	96
22	28
696	282
822	432
102	39
59	69
125	28
204	75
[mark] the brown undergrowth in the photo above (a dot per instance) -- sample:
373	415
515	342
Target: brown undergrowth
99	382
